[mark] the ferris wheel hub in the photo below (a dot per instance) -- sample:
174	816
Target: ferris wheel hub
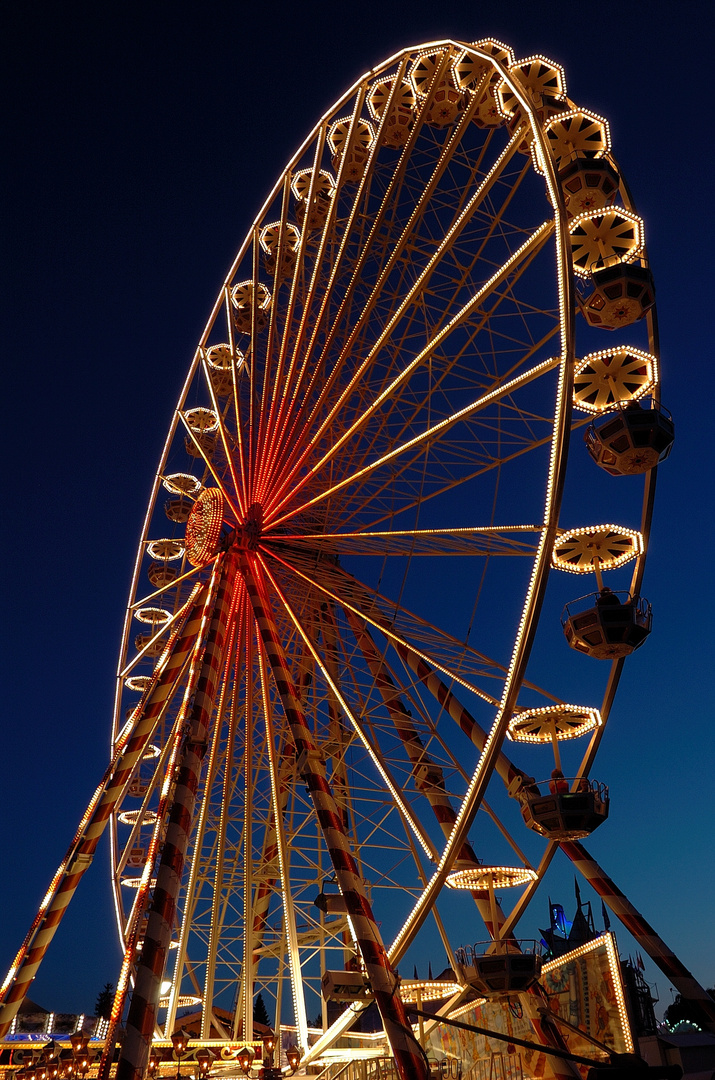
248	536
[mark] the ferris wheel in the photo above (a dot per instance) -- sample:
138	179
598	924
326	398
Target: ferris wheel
329	649
362	484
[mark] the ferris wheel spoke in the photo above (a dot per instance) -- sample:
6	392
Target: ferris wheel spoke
412	409
393	255
279	339
407	299
194	882
433	434
302	354
372	749
288	396
347	594
368	601
477	541
410	690
380	486
211	467
195	571
227	449
473	475
428	435
352	221
390	617
403	307
250	762
428	774
523	254
241	439
218	880
511	774
283	859
252	432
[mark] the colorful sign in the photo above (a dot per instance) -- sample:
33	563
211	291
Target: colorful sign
584	987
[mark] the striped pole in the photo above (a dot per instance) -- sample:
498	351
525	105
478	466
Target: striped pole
197	710
409	1057
510	774
643	932
428	775
534	1000
143	892
81	851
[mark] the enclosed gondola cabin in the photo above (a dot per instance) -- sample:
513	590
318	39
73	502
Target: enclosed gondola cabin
569	815
503	972
609	629
632	440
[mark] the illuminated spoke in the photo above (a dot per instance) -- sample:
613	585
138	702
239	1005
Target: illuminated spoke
531	246
430	434
486	541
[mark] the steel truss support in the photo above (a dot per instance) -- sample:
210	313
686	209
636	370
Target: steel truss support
197	709
409	1056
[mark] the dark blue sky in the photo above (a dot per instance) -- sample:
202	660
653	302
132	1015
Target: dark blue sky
140	140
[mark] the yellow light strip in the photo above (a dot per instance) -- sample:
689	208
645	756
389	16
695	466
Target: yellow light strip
607	939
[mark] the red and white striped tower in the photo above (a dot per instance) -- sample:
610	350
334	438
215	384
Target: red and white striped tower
197	709
642	931
81	851
428	776
534	1000
409	1056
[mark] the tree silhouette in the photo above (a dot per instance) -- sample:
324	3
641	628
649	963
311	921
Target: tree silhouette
681	1009
260	1012
104	1002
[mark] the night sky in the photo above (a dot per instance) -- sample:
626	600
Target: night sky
140	141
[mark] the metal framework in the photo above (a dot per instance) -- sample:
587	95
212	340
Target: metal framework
316	681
